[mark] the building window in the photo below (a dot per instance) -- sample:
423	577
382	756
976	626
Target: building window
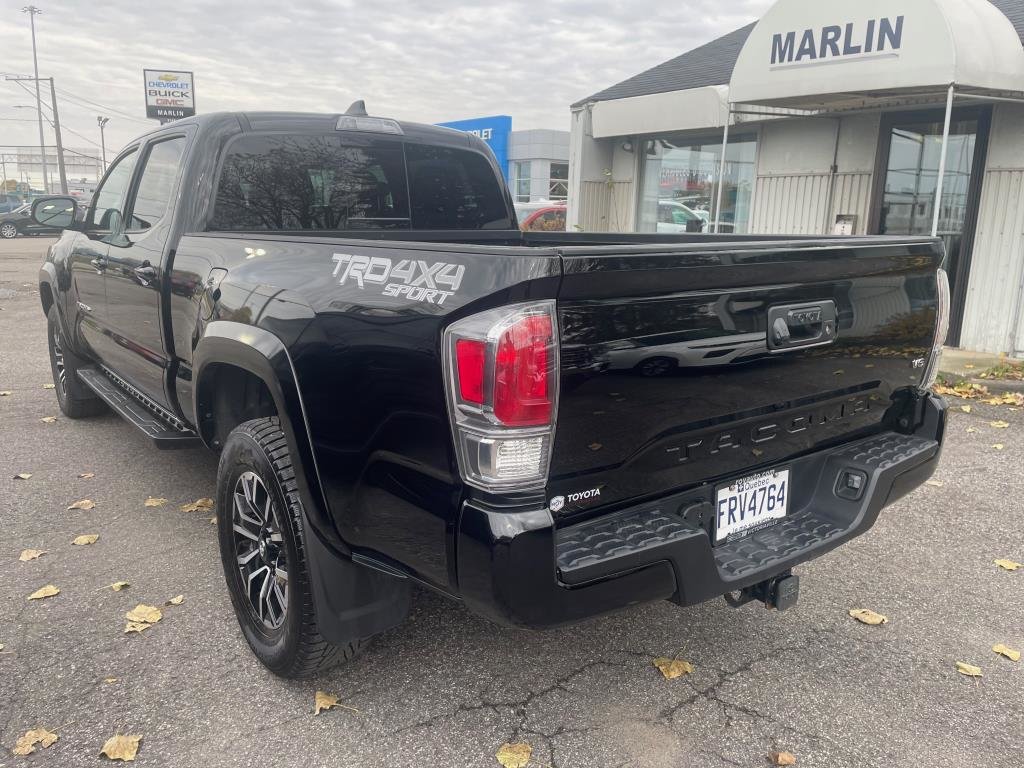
558	184
521	181
680	183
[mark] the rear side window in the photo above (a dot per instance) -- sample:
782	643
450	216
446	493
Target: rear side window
318	182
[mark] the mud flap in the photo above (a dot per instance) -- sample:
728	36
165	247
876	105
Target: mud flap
352	601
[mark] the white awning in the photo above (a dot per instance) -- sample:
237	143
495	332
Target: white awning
706	107
827	53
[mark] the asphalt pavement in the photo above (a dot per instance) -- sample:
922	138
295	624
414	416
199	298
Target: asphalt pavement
447	688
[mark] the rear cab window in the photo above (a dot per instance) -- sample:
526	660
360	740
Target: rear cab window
338	182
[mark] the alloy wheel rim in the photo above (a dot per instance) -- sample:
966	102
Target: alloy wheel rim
259	550
58	361
8	230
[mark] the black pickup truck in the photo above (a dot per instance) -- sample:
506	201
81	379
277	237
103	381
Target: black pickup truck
404	388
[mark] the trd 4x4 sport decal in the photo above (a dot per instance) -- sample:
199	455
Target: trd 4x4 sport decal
413	279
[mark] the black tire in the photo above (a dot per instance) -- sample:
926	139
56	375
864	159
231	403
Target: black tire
76	400
295	647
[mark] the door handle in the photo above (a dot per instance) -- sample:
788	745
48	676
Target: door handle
99	264
145	273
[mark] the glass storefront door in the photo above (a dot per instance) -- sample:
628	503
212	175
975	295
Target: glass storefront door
911	147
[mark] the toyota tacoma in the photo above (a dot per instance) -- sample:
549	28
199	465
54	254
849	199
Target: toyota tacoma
404	388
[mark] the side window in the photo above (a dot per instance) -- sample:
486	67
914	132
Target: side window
110	196
157	183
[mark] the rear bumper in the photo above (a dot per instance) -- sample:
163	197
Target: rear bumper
518	568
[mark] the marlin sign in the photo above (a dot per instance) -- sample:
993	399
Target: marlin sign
874	39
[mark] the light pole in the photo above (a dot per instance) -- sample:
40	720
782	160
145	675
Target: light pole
102	123
31	10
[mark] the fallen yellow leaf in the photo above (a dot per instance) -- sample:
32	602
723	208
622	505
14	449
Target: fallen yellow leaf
782	758
323	701
999	446
178	600
154	502
514	755
1007	565
85	538
49	386
968	669
86	475
136	626
121	747
26	744
48	591
23	476
971	430
936	483
867	616
83	504
147	614
1004	650
31	554
111	680
673	668
6	393
213	520
48	419
199	505
999	424
965	408
117	586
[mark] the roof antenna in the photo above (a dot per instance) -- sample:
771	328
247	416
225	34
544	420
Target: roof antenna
357	109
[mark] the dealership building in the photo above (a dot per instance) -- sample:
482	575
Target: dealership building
901	117
535	162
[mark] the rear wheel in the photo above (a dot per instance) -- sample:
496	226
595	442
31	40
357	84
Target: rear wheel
655	366
76	400
259	519
8	230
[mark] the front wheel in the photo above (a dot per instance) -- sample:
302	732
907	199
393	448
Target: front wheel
259	522
76	400
8	231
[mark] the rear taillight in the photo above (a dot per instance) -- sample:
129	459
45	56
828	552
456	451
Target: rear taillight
942	302
501	369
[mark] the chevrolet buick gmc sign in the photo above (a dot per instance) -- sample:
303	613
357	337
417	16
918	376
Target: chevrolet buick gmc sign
169	94
875	38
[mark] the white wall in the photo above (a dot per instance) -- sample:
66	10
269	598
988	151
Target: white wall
796	191
994	314
602	176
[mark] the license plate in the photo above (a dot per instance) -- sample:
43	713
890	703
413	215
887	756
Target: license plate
751	503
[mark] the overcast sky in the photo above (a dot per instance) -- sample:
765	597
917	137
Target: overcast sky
424	60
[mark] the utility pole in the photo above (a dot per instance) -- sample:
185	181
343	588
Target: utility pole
102	123
60	146
31	10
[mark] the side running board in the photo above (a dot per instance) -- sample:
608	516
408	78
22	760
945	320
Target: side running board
161	427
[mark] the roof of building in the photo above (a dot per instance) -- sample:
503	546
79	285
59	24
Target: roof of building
712	63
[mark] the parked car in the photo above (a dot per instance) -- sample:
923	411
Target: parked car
9	202
674	217
20	222
404	388
550	218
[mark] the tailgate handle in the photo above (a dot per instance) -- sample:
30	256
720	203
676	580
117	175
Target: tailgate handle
791	326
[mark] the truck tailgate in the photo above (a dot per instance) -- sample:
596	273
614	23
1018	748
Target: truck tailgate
684	365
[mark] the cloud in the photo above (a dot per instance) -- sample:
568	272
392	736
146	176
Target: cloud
430	61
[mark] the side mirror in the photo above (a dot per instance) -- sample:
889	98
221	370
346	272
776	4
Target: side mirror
55	212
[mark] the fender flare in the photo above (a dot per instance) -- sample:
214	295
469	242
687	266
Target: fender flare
352	601
264	355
